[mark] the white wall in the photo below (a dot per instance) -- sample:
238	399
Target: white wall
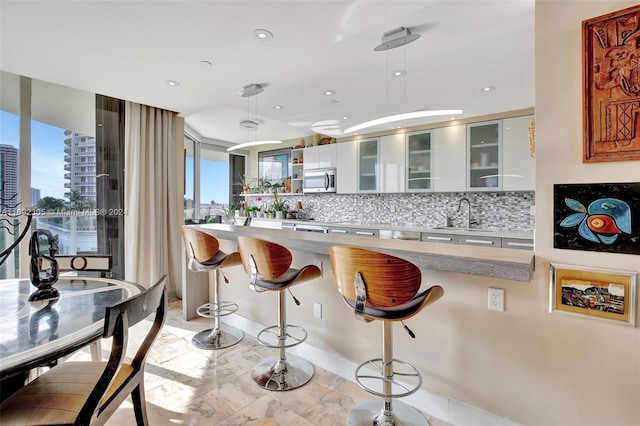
525	364
590	369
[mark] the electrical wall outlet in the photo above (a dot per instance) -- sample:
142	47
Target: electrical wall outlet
318	263
496	299
317	310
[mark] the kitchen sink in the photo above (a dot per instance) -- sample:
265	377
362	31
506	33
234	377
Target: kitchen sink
451	228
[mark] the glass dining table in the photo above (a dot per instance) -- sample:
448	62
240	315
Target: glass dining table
36	333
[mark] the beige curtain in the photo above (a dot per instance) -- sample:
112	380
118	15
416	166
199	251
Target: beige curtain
152	234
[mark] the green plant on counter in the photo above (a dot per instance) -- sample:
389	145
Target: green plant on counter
228	213
278	205
250	211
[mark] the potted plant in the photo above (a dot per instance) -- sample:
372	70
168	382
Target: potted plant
228	213
252	211
270	213
266	187
245	181
277	187
279	206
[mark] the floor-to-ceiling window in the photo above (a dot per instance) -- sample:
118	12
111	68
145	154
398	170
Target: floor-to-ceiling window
51	131
9	191
207	186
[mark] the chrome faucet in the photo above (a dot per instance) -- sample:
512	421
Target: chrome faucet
469	220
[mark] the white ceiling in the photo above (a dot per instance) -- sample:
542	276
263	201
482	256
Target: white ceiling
129	49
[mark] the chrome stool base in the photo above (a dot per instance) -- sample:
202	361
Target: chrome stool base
366	413
273	374
213	339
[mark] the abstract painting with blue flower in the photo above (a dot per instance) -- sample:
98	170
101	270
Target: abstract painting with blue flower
597	217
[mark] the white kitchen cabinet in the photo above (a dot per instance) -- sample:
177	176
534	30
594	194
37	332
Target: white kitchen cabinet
340	230
449	164
518	166
347	173
419	161
518	243
484	156
474	240
391	163
320	157
433	237
368	161
365	232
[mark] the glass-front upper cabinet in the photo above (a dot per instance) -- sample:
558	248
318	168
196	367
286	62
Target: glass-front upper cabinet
367	165
419	161
484	155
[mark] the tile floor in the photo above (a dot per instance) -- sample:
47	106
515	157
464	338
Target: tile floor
189	386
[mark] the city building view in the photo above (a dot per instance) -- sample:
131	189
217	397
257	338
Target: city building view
71	217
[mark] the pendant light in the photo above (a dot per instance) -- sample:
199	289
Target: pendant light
251	90
390	40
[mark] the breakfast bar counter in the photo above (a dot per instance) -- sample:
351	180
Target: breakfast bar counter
509	264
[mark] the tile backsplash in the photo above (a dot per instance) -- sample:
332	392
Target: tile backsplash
504	210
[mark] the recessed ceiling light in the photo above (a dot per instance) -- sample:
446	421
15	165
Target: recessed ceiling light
488	88
346	117
335	101
262	35
398	73
278	107
206	63
172	83
329	92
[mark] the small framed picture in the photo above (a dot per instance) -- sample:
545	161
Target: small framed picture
597	293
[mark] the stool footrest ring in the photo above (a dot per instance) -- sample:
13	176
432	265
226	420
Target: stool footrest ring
289	340
399	388
211	310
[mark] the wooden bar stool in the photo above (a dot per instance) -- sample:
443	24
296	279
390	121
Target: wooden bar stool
268	264
204	256
383	288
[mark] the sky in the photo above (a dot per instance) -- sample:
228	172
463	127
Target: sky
47	153
47	164
214	181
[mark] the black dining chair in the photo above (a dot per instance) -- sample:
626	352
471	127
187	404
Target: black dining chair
89	392
87	265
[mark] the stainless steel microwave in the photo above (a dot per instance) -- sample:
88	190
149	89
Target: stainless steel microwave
319	180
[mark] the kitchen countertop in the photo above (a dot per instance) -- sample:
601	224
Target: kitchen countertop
510	264
481	232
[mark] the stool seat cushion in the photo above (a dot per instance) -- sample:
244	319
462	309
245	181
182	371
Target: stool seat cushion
402	311
218	261
290	277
